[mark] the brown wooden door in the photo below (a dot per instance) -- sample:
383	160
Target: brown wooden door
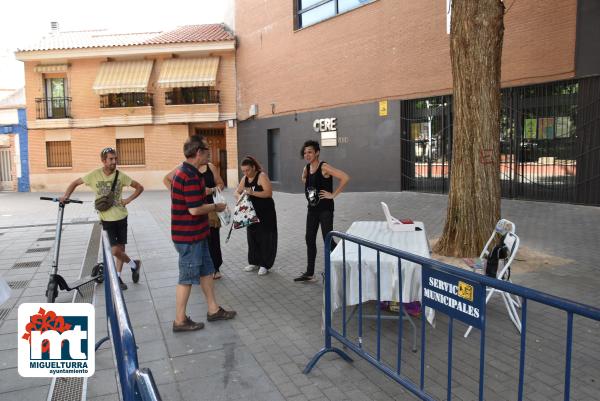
216	142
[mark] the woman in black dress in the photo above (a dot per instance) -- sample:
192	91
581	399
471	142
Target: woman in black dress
262	237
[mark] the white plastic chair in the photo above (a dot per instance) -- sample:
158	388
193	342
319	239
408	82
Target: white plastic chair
507	229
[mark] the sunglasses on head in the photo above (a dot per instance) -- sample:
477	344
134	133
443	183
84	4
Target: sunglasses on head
108	150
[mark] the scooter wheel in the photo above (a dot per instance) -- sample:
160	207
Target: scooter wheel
98	273
51	291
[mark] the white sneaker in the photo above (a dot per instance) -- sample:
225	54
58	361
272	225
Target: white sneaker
250	268
263	271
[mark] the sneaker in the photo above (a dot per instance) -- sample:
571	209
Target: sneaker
221	314
189	325
263	271
305	277
122	285
135	273
250	268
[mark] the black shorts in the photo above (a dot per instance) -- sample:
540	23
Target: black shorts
117	231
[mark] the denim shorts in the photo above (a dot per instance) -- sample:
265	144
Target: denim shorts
194	262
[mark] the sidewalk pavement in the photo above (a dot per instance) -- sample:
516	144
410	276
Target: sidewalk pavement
261	353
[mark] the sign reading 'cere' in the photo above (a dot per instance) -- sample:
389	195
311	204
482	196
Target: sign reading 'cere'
459	298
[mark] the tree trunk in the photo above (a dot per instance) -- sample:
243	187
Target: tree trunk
476	34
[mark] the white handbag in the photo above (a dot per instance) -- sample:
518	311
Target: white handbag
225	215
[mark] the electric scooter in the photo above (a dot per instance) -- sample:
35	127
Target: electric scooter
56	281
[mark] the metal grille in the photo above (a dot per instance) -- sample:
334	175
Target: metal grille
68	389
195	95
125	100
46	238
54	107
427	144
58	154
18	284
131	151
549	142
4	312
5	165
25	265
37	250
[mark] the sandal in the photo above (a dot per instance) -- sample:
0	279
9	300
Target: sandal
217	275
221	314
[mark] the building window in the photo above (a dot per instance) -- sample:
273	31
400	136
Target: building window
273	153
125	100
55	104
193	95
58	154
310	12
131	151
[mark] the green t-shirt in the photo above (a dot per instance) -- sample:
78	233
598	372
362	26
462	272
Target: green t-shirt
101	184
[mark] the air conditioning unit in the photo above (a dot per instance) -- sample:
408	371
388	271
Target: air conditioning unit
253	110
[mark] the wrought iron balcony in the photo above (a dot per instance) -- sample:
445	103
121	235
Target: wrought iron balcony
53	107
199	95
125	100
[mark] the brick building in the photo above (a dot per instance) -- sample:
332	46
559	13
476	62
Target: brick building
142	93
371	79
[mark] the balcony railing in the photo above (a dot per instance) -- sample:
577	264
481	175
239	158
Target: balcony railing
53	107
192	96
125	100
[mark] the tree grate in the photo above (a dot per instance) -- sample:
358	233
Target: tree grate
67	388
18	284
4	312
42	249
25	265
46	238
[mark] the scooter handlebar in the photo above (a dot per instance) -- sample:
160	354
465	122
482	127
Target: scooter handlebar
57	200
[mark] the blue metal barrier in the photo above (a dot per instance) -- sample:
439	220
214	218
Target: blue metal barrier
472	284
136	384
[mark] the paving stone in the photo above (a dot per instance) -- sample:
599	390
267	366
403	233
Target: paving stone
278	328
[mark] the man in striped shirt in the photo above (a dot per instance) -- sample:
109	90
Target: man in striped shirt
189	232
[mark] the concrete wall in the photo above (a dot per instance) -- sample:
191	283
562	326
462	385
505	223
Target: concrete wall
587	59
368	145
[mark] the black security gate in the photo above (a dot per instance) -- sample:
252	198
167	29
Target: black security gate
426	144
549	142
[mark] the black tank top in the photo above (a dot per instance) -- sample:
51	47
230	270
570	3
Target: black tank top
316	182
209	182
264	207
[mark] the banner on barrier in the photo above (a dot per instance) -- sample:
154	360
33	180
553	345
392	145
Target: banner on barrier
453	295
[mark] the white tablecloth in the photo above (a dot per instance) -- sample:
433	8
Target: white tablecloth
377	231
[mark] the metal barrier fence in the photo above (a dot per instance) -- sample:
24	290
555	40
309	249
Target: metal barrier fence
136	384
471	310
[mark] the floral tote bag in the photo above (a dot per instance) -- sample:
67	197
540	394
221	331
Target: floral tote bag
244	214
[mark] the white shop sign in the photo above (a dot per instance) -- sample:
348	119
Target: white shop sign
327	128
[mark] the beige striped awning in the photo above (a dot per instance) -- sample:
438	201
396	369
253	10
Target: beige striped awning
50	68
123	77
188	72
